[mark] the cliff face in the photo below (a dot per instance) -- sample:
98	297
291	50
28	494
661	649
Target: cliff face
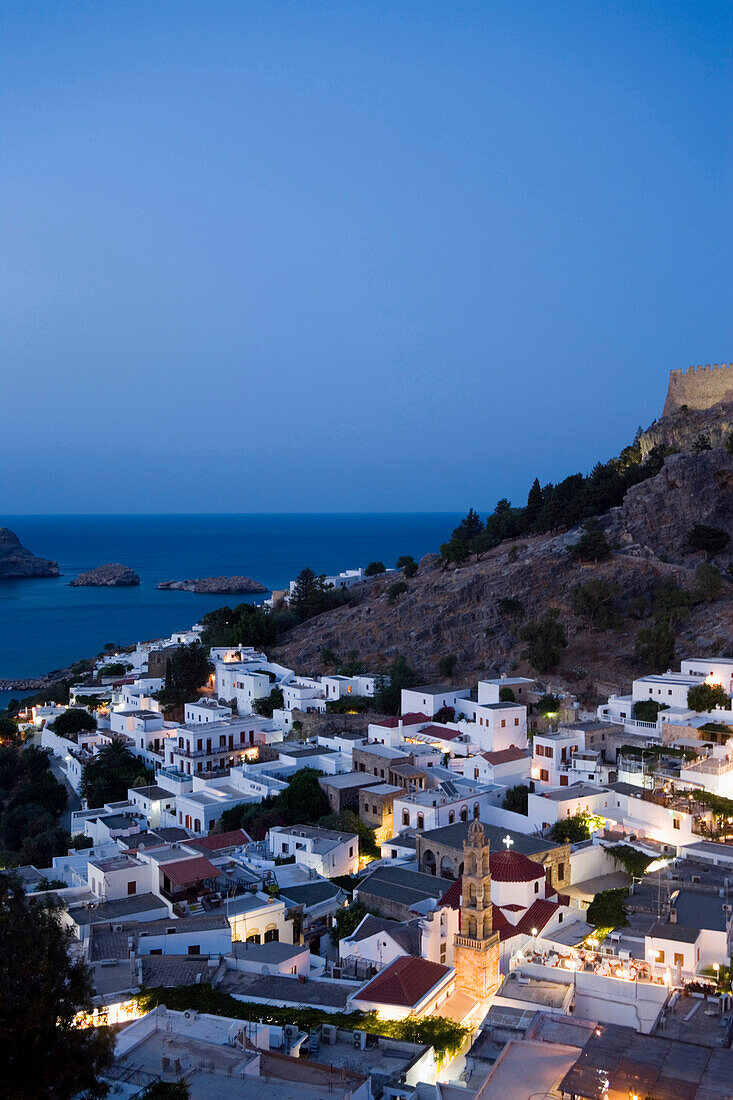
16	561
456	611
680	429
656	516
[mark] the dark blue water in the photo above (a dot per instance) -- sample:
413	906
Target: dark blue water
45	624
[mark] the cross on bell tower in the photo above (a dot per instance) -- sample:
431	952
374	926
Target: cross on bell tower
476	948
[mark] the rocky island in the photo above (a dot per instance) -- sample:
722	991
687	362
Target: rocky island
111	575
216	586
16	561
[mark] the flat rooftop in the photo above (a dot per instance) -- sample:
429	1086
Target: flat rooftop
528	1069
285	988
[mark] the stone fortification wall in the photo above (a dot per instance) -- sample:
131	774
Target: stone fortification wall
699	387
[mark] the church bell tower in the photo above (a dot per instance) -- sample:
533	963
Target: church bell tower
476	946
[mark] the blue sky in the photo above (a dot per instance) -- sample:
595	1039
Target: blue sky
351	256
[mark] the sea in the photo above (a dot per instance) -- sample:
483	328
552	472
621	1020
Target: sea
45	624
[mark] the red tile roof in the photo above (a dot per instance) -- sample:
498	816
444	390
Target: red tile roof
404	982
441	733
452	896
183	872
414	718
537	916
214	843
514	867
505	756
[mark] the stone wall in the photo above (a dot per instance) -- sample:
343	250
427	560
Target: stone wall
699	387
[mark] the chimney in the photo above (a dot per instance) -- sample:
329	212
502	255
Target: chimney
673	916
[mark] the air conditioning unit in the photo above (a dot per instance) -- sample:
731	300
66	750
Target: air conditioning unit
360	1040
329	1034
290	1031
116	927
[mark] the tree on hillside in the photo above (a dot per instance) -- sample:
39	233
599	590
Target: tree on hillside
46	1052
109	775
708	582
655	646
594	602
388	697
534	503
375	569
545	640
395	590
447	666
72	722
670	602
704	697
592	546
308	597
469	527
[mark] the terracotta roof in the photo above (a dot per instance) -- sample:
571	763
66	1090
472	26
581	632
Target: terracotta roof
185	871
404	982
505	756
441	733
452	896
413	718
514	867
537	916
213	843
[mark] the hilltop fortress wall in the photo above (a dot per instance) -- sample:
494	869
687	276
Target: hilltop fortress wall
699	387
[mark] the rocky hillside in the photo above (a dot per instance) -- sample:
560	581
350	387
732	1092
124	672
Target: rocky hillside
457	610
16	561
683	429
112	575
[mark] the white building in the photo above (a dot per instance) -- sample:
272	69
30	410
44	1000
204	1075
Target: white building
328	852
552	754
452	800
205	710
431	698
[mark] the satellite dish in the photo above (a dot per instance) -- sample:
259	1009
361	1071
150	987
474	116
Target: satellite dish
265	971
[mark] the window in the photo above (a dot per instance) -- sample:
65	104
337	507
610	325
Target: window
195	949
560	871
131	888
285	847
442	954
544	775
254	937
503	723
421	821
548	751
272	935
679	958
675	823
405	817
351	849
537	887
516	721
451	817
660	956
156	951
